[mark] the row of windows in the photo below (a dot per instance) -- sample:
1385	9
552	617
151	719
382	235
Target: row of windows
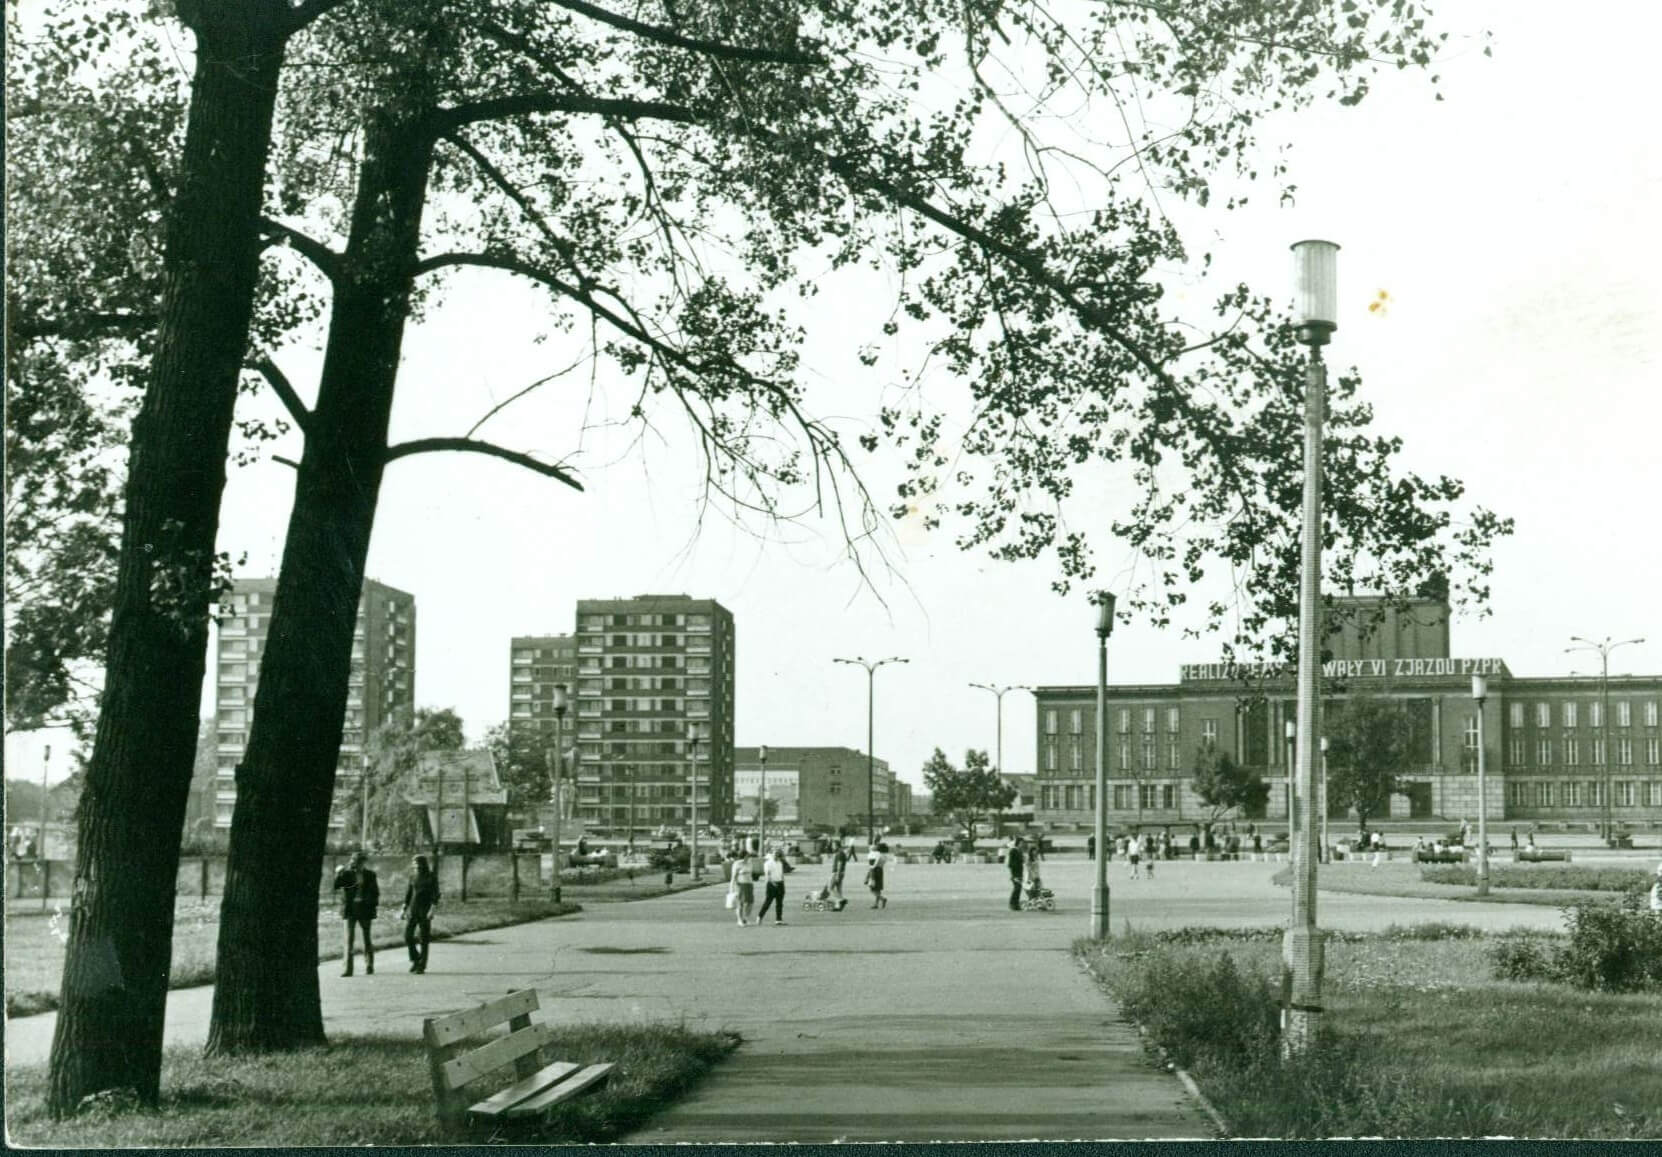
1146	750
1150	716
601	622
1082	796
1569	713
1582	793
1569	750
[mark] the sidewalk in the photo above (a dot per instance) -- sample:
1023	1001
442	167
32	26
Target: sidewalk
942	1017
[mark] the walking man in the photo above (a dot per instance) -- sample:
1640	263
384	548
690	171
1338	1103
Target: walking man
839	865
360	897
421	896
774	870
1015	862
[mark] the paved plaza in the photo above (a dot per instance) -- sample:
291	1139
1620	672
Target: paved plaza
942	1017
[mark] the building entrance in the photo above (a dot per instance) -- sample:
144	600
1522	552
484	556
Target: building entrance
1419	799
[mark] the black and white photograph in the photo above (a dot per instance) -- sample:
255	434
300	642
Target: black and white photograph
522	518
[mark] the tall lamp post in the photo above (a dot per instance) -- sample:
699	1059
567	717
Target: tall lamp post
871	757
1606	822
1099	883
1480	692
998	694
40	852
1326	847
1289	732
556	766
762	803
692	817
1315	265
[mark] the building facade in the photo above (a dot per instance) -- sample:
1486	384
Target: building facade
654	713
382	682
536	665
816	788
1556	748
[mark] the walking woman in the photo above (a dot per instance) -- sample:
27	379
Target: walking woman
744	884
874	876
421	896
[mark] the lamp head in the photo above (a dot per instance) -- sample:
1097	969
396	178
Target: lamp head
559	699
1480	688
1105	615
1315	290
1290	730
762	753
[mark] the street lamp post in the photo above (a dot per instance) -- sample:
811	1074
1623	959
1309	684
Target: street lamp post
1099	883
871	749
1315	266
1480	692
555	768
1289	733
1606	821
692	811
762	803
998	694
40	852
1326	852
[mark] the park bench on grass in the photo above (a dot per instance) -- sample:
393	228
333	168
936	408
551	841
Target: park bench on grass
458	1057
1539	855
1430	857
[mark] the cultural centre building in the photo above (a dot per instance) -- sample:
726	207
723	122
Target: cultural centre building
1558	748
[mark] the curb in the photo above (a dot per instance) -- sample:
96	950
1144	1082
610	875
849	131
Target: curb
1194	1091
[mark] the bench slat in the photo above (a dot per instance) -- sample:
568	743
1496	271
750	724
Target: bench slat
519	1090
563	1091
457	1026
487	1058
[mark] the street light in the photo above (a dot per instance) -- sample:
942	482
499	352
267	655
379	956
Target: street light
40	853
692	737
762	803
1603	651
555	768
1289	732
1326	847
871	756
998	694
1315	279
1480	692
1099	885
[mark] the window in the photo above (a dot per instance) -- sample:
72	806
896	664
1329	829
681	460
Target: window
1515	751
1125	755
1624	751
1595	714
1148	754
1653	751
1515	794
1174	757
1146	795
1148	719
1598	752
1171	720
1468	740
1626	795
1572	751
1516	715
1650	713
1543	753
1167	795
1543	794
1595	792
1050	757
1543	715
1125	720
1569	714
1075	756
1656	793
1122	797
1624	713
1209	730
1050	722
1076	721
1572	793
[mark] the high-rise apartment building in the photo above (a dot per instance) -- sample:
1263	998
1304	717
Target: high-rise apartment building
382	682
536	665
654	678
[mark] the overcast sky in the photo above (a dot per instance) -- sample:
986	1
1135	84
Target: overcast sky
1513	228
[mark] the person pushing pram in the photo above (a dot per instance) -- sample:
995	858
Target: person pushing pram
1035	896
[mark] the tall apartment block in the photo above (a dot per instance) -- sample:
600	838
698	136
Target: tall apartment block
653	672
536	665
382	683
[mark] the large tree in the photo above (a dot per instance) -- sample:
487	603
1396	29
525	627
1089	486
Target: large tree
1370	741
392	756
968	793
1225	786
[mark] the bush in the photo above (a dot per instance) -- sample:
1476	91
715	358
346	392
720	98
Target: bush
1523	958
1608	949
1195	1007
1552	877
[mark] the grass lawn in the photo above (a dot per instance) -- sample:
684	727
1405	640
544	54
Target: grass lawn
1420	1040
35	944
364	1091
1404	879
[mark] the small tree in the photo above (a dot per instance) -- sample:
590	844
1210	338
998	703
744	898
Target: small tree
521	757
1369	743
394	750
969	794
1224	785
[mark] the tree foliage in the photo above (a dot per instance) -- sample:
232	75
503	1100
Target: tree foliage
521	756
967	794
1369	743
1226	786
394	752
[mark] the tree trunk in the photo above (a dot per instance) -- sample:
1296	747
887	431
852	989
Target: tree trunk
266	996
115	977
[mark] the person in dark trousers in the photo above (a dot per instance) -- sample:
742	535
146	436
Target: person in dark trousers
421	896
360	898
1014	861
774	897
839	866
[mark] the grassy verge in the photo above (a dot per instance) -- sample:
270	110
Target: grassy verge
1541	877
1405	880
363	1091
1418	1039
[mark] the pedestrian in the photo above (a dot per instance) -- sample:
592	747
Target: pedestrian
1152	853
1514	839
874	875
1090	847
360	898
1134	852
743	886
1015	863
1035	860
774	871
1194	844
421	896
1532	841
839	865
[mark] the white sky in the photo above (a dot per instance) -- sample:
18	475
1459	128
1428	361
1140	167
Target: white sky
1512	225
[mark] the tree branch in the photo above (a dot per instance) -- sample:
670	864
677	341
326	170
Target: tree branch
473	445
284	390
326	259
447	120
667	36
80	326
309	10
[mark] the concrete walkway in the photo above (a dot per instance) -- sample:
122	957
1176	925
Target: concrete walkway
942	1017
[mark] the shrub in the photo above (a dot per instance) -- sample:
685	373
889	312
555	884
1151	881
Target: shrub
1551	877
1522	958
1612	949
1194	1006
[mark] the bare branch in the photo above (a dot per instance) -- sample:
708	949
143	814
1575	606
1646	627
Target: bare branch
473	445
668	36
283	388
447	120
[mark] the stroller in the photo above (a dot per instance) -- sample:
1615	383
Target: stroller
1038	898
821	900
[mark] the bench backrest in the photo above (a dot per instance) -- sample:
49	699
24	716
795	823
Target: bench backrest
456	1056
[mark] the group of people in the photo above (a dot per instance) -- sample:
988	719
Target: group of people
360	891
745	868
1024	859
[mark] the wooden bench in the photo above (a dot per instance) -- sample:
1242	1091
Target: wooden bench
458	1056
1430	857
1538	855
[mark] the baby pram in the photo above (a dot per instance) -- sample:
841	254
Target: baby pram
823	901
1038	898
